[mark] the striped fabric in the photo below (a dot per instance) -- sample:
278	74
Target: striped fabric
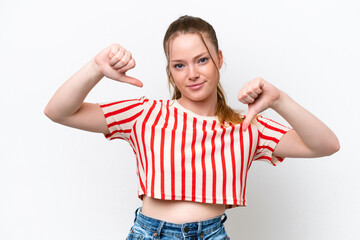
184	156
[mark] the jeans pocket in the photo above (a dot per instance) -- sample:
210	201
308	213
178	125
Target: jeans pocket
219	234
134	235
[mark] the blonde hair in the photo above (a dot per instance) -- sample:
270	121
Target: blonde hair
189	24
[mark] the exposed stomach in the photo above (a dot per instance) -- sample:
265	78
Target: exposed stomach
180	212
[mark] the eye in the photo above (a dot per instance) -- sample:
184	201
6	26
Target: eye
178	66
204	59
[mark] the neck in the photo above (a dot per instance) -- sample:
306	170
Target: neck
206	107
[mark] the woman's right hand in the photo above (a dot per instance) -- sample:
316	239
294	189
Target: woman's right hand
114	61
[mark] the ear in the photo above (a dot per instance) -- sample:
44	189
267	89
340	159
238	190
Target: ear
220	58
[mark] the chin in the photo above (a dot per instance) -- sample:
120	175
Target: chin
199	98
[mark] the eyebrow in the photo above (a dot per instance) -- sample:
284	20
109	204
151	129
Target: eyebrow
197	56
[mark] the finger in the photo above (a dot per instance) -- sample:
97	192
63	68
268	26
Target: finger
123	62
242	91
250	91
257	89
132	81
255	86
118	56
241	94
131	64
260	82
246	99
113	50
249	117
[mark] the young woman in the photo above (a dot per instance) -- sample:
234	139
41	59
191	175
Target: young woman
193	152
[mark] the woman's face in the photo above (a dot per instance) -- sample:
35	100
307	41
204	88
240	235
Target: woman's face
193	71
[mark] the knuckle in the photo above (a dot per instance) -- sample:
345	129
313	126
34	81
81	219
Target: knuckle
123	61
255	90
114	47
132	63
120	51
127	56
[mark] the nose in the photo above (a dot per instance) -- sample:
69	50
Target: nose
193	74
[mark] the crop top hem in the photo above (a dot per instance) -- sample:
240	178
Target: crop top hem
229	204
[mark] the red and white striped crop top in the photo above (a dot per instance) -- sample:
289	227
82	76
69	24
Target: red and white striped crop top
184	156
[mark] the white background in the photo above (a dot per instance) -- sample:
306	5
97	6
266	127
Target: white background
61	183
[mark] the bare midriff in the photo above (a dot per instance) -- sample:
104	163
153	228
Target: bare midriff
180	212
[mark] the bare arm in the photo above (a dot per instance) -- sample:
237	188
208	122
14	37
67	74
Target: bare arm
310	137
67	106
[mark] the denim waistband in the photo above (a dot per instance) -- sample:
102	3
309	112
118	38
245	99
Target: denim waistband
186	229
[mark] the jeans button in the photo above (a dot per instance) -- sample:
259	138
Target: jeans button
186	229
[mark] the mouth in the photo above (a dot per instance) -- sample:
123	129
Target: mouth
195	86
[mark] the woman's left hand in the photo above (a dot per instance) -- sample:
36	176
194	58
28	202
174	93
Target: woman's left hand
309	138
258	95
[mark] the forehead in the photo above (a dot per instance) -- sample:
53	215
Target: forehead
187	45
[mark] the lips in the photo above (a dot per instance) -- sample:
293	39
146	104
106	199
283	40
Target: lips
196	85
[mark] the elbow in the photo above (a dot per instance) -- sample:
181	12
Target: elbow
327	148
336	146
48	113
333	147
51	114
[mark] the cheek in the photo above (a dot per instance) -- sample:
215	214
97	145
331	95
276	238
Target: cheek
210	71
177	76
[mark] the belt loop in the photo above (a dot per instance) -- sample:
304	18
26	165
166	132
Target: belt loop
136	213
225	217
158	232
200	226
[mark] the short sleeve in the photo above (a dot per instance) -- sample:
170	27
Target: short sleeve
269	135
120	116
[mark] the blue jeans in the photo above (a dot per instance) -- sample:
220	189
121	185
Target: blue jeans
147	228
